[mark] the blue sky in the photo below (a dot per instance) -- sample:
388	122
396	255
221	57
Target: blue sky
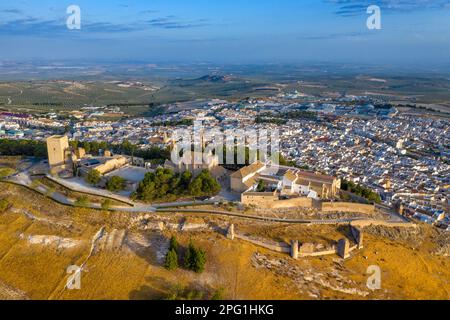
245	31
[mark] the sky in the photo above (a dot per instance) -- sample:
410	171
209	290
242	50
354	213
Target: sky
232	31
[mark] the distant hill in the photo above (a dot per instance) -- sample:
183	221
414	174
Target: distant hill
216	78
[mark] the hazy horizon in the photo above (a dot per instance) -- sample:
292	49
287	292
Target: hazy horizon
231	32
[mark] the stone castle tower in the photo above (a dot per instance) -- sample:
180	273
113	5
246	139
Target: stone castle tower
57	148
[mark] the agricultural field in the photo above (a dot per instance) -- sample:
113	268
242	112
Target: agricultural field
147	89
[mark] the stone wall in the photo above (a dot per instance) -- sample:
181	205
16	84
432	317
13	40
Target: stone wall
280	247
269	200
348	207
259	198
357	236
294	202
366	223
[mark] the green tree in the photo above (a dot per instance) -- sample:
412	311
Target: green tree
106	204
174	244
204	185
93	177
195	259
115	183
261	187
171	262
82	201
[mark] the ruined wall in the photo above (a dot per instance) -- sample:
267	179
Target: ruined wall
366	223
348	207
357	235
281	247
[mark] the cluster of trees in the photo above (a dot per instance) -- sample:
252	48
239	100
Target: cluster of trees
194	259
30	148
165	184
152	153
173	123
283	118
115	184
126	147
279	121
361	191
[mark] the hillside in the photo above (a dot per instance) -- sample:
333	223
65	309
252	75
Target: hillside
40	239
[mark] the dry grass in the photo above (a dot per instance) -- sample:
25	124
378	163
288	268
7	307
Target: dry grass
40	271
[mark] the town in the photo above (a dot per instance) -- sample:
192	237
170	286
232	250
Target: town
382	155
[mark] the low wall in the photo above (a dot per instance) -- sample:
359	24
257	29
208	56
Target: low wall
348	207
318	253
367	223
284	248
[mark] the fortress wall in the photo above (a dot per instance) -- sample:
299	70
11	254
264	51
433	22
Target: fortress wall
294	202
266	200
348	207
271	201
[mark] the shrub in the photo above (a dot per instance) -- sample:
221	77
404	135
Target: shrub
5	172
115	184
82	201
93	177
261	187
4	205
106	204
218	294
